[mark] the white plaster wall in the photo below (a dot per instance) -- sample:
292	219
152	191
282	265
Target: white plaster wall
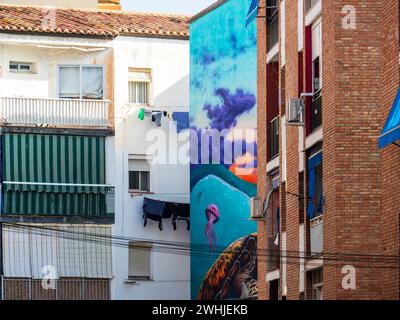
169	63
42	83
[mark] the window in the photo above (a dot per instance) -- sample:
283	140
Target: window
21	67
316	75
317	283
308	4
139	86
316	56
316	103
139	261
139	175
81	82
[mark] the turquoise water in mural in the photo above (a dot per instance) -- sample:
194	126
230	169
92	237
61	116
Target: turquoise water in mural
223	90
233	224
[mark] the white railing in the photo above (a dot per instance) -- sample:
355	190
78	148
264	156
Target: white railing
54	112
316	235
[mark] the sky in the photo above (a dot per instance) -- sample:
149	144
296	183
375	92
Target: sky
167	6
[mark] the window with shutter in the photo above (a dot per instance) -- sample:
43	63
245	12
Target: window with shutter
139	86
139	261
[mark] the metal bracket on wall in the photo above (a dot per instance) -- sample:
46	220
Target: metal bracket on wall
301	198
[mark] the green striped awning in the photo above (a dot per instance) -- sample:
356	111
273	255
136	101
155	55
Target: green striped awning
53	163
89	205
54	175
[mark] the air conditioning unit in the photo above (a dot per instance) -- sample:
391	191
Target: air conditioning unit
295	112
256	208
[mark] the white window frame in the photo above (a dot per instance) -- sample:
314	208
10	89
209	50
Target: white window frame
140	182
81	66
140	158
135	245
317	286
149	86
19	64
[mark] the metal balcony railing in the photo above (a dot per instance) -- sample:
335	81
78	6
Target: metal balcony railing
64	289
273	139
316	236
110	201
54	112
308	4
316	110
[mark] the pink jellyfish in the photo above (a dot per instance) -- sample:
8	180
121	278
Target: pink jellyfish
212	215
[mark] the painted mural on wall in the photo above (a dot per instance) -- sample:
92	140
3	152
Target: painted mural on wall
223	85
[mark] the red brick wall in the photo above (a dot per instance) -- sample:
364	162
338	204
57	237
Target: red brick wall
351	124
361	183
292	154
262	145
390	209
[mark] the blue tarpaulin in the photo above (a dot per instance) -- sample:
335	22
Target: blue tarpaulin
391	130
253	11
311	164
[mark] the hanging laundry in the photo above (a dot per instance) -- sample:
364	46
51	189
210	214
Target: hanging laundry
141	114
156	117
154	210
182	120
179	211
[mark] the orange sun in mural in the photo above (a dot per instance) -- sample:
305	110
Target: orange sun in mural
244	169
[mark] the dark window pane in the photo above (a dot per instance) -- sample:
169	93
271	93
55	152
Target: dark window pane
316	75
13	66
134	180
145	181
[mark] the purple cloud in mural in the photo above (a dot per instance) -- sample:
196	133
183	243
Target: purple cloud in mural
224	116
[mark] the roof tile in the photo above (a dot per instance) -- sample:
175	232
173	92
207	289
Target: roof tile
91	22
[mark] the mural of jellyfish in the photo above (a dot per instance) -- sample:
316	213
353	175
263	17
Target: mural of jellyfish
212	215
223	91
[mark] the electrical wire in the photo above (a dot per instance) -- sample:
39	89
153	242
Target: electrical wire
201	250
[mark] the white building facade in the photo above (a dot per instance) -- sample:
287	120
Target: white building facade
151	74
75	146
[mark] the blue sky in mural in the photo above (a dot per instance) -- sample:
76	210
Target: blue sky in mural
223	90
228	62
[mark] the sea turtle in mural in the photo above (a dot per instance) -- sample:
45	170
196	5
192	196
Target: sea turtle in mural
234	274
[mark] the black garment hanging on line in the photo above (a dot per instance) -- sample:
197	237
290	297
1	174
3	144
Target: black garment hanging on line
179	211
154	210
157	210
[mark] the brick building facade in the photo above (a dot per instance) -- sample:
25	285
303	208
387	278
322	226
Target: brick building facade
334	213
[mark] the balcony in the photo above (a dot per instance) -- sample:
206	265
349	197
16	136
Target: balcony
316	235
308	4
316	110
273	139
50	112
